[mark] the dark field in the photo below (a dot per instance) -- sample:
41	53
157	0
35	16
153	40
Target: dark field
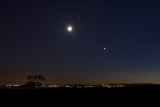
91	95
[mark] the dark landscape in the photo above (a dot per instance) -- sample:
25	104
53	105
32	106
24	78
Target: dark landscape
136	92
79	51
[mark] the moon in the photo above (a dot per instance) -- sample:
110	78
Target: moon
104	49
69	29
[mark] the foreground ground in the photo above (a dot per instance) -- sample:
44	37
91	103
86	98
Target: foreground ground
91	95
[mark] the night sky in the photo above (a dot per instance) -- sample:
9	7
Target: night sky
34	40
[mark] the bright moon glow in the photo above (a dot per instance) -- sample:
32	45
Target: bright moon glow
104	48
69	28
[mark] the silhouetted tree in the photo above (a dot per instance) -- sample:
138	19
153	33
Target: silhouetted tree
34	80
41	78
38	78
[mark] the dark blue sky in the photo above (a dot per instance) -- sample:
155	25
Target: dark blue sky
34	40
